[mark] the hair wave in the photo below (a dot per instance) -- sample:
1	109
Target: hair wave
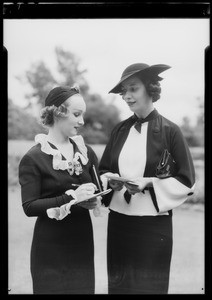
49	114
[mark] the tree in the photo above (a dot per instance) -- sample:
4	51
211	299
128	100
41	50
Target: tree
69	68
199	128
41	81
195	134
100	118
188	132
17	121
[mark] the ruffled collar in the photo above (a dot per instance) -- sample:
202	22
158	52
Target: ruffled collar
58	162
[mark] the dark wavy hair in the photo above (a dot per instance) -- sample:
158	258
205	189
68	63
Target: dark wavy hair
152	87
49	114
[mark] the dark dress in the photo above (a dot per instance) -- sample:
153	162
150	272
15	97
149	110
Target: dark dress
62	252
139	243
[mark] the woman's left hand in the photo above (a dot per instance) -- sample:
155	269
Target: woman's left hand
138	185
89	204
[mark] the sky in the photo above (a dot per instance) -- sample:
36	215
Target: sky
106	47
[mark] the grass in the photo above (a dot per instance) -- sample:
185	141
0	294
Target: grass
187	267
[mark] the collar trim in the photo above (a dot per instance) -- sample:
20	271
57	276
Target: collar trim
58	163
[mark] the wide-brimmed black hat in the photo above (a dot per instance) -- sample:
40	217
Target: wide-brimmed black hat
144	70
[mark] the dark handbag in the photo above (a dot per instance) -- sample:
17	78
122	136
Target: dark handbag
167	166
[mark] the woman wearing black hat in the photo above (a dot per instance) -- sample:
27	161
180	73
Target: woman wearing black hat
54	174
152	156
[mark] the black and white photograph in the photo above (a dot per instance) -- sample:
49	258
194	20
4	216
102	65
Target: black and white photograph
106	155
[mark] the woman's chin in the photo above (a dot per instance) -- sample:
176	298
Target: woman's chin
132	108
74	132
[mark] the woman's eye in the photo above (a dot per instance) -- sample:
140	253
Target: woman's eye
77	114
132	89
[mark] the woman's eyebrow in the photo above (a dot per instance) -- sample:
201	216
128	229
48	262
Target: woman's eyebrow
129	84
77	110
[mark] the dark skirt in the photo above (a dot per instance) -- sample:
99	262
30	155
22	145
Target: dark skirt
139	253
62	254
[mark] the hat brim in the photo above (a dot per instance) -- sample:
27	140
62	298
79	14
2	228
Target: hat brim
149	72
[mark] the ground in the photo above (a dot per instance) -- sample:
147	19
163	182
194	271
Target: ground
187	267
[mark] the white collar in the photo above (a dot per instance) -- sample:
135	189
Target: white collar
58	162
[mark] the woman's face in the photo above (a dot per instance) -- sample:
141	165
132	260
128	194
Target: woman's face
70	125
135	94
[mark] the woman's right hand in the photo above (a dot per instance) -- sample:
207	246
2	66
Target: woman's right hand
115	185
85	190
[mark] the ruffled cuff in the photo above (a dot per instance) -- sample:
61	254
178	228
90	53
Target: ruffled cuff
61	212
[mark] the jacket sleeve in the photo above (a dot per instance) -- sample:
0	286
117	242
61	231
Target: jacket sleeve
173	191
30	181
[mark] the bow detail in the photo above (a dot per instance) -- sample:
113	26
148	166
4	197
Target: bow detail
127	196
138	121
138	124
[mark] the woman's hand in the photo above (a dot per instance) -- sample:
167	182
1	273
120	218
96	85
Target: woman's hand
90	204
115	185
138	185
84	191
93	203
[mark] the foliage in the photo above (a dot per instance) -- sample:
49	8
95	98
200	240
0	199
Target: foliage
21	125
100	118
194	134
188	132
41	80
69	69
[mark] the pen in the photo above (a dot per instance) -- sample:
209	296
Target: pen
74	184
97	179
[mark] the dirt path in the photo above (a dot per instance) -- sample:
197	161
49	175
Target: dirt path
187	268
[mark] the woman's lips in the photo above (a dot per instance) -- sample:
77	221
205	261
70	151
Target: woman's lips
131	103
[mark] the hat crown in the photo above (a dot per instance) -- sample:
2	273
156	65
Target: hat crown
60	94
135	68
147	71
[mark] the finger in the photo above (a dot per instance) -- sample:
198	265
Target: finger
89	185
92	200
90	192
89	205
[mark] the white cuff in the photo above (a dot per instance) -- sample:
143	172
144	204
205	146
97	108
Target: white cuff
170	193
105	179
61	212
71	193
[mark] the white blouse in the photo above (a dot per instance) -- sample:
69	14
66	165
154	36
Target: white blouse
170	193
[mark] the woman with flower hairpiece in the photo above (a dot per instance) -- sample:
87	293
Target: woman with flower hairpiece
55	174
152	155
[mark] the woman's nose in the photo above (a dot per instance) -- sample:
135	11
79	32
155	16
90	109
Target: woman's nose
127	95
81	121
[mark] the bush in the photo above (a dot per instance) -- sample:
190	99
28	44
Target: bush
199	193
13	163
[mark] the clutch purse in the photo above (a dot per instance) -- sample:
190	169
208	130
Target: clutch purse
167	166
